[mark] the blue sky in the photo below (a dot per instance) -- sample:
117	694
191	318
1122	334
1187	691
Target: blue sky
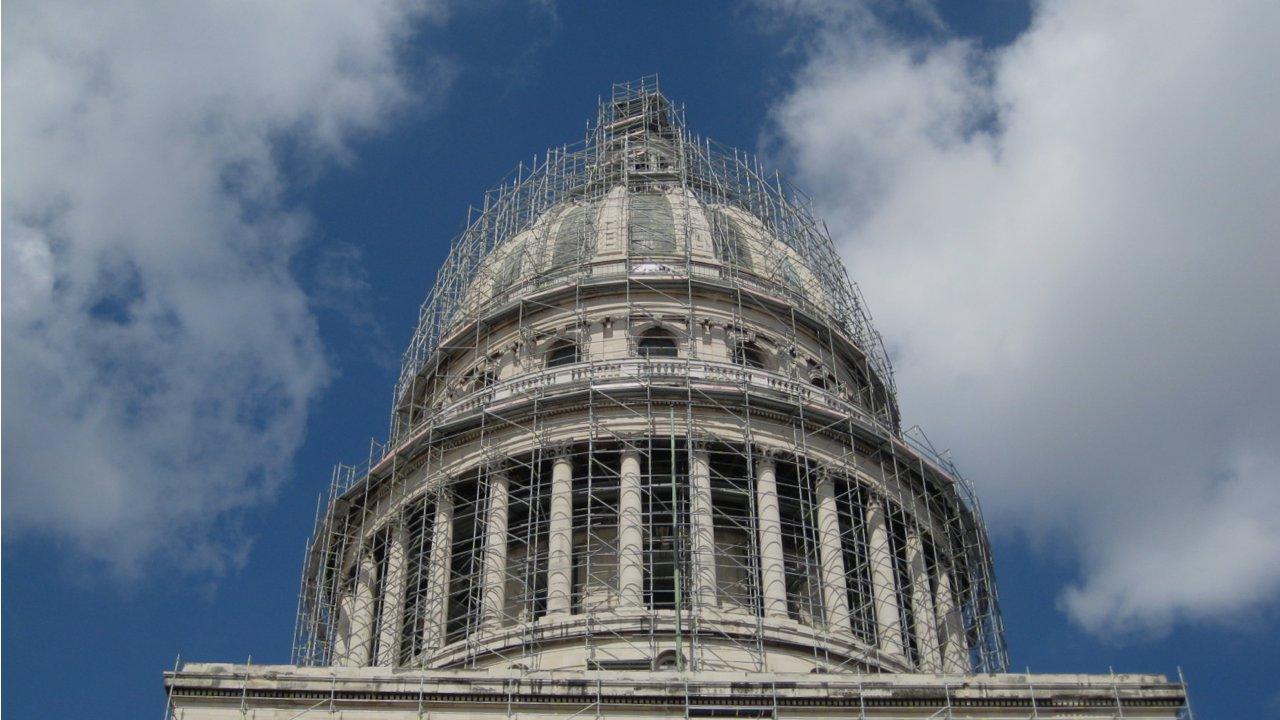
269	222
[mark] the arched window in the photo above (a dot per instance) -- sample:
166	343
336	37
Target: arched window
463	385
477	378
730	242
668	660
658	342
508	272
572	237
564	352
748	354
826	381
484	378
651	225
787	273
861	389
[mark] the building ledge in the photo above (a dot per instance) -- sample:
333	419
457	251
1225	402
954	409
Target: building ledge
213	685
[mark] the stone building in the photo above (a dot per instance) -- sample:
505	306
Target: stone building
645	460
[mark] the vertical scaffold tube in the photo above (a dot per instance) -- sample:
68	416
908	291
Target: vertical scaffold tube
560	541
883	588
835	600
437	601
630	532
704	542
773	577
495	551
393	596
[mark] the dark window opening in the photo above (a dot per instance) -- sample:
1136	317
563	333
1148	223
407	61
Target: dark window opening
668	660
644	664
418	526
749	354
825	382
658	342
562	353
466	556
665	498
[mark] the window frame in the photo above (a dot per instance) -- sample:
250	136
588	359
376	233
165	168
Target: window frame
740	355
654	239
657	334
552	357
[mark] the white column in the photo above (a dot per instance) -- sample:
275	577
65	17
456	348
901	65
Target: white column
630	533
773	576
560	540
363	606
704	533
393	596
955	648
437	599
835	599
342	633
922	604
495	551
883	588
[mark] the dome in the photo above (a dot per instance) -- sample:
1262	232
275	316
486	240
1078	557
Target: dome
645	424
653	229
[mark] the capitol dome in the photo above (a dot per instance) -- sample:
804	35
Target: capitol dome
645	423
662	223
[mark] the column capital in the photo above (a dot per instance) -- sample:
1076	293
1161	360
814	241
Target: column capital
444	490
496	463
395	517
765	455
398	521
875	503
913	533
558	451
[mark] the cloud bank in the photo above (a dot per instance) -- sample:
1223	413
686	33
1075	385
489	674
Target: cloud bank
159	355
1071	246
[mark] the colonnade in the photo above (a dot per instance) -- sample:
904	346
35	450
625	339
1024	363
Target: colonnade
377	609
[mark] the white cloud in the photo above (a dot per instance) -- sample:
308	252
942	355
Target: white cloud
159	356
1071	245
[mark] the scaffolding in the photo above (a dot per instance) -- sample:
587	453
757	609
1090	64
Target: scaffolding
644	422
